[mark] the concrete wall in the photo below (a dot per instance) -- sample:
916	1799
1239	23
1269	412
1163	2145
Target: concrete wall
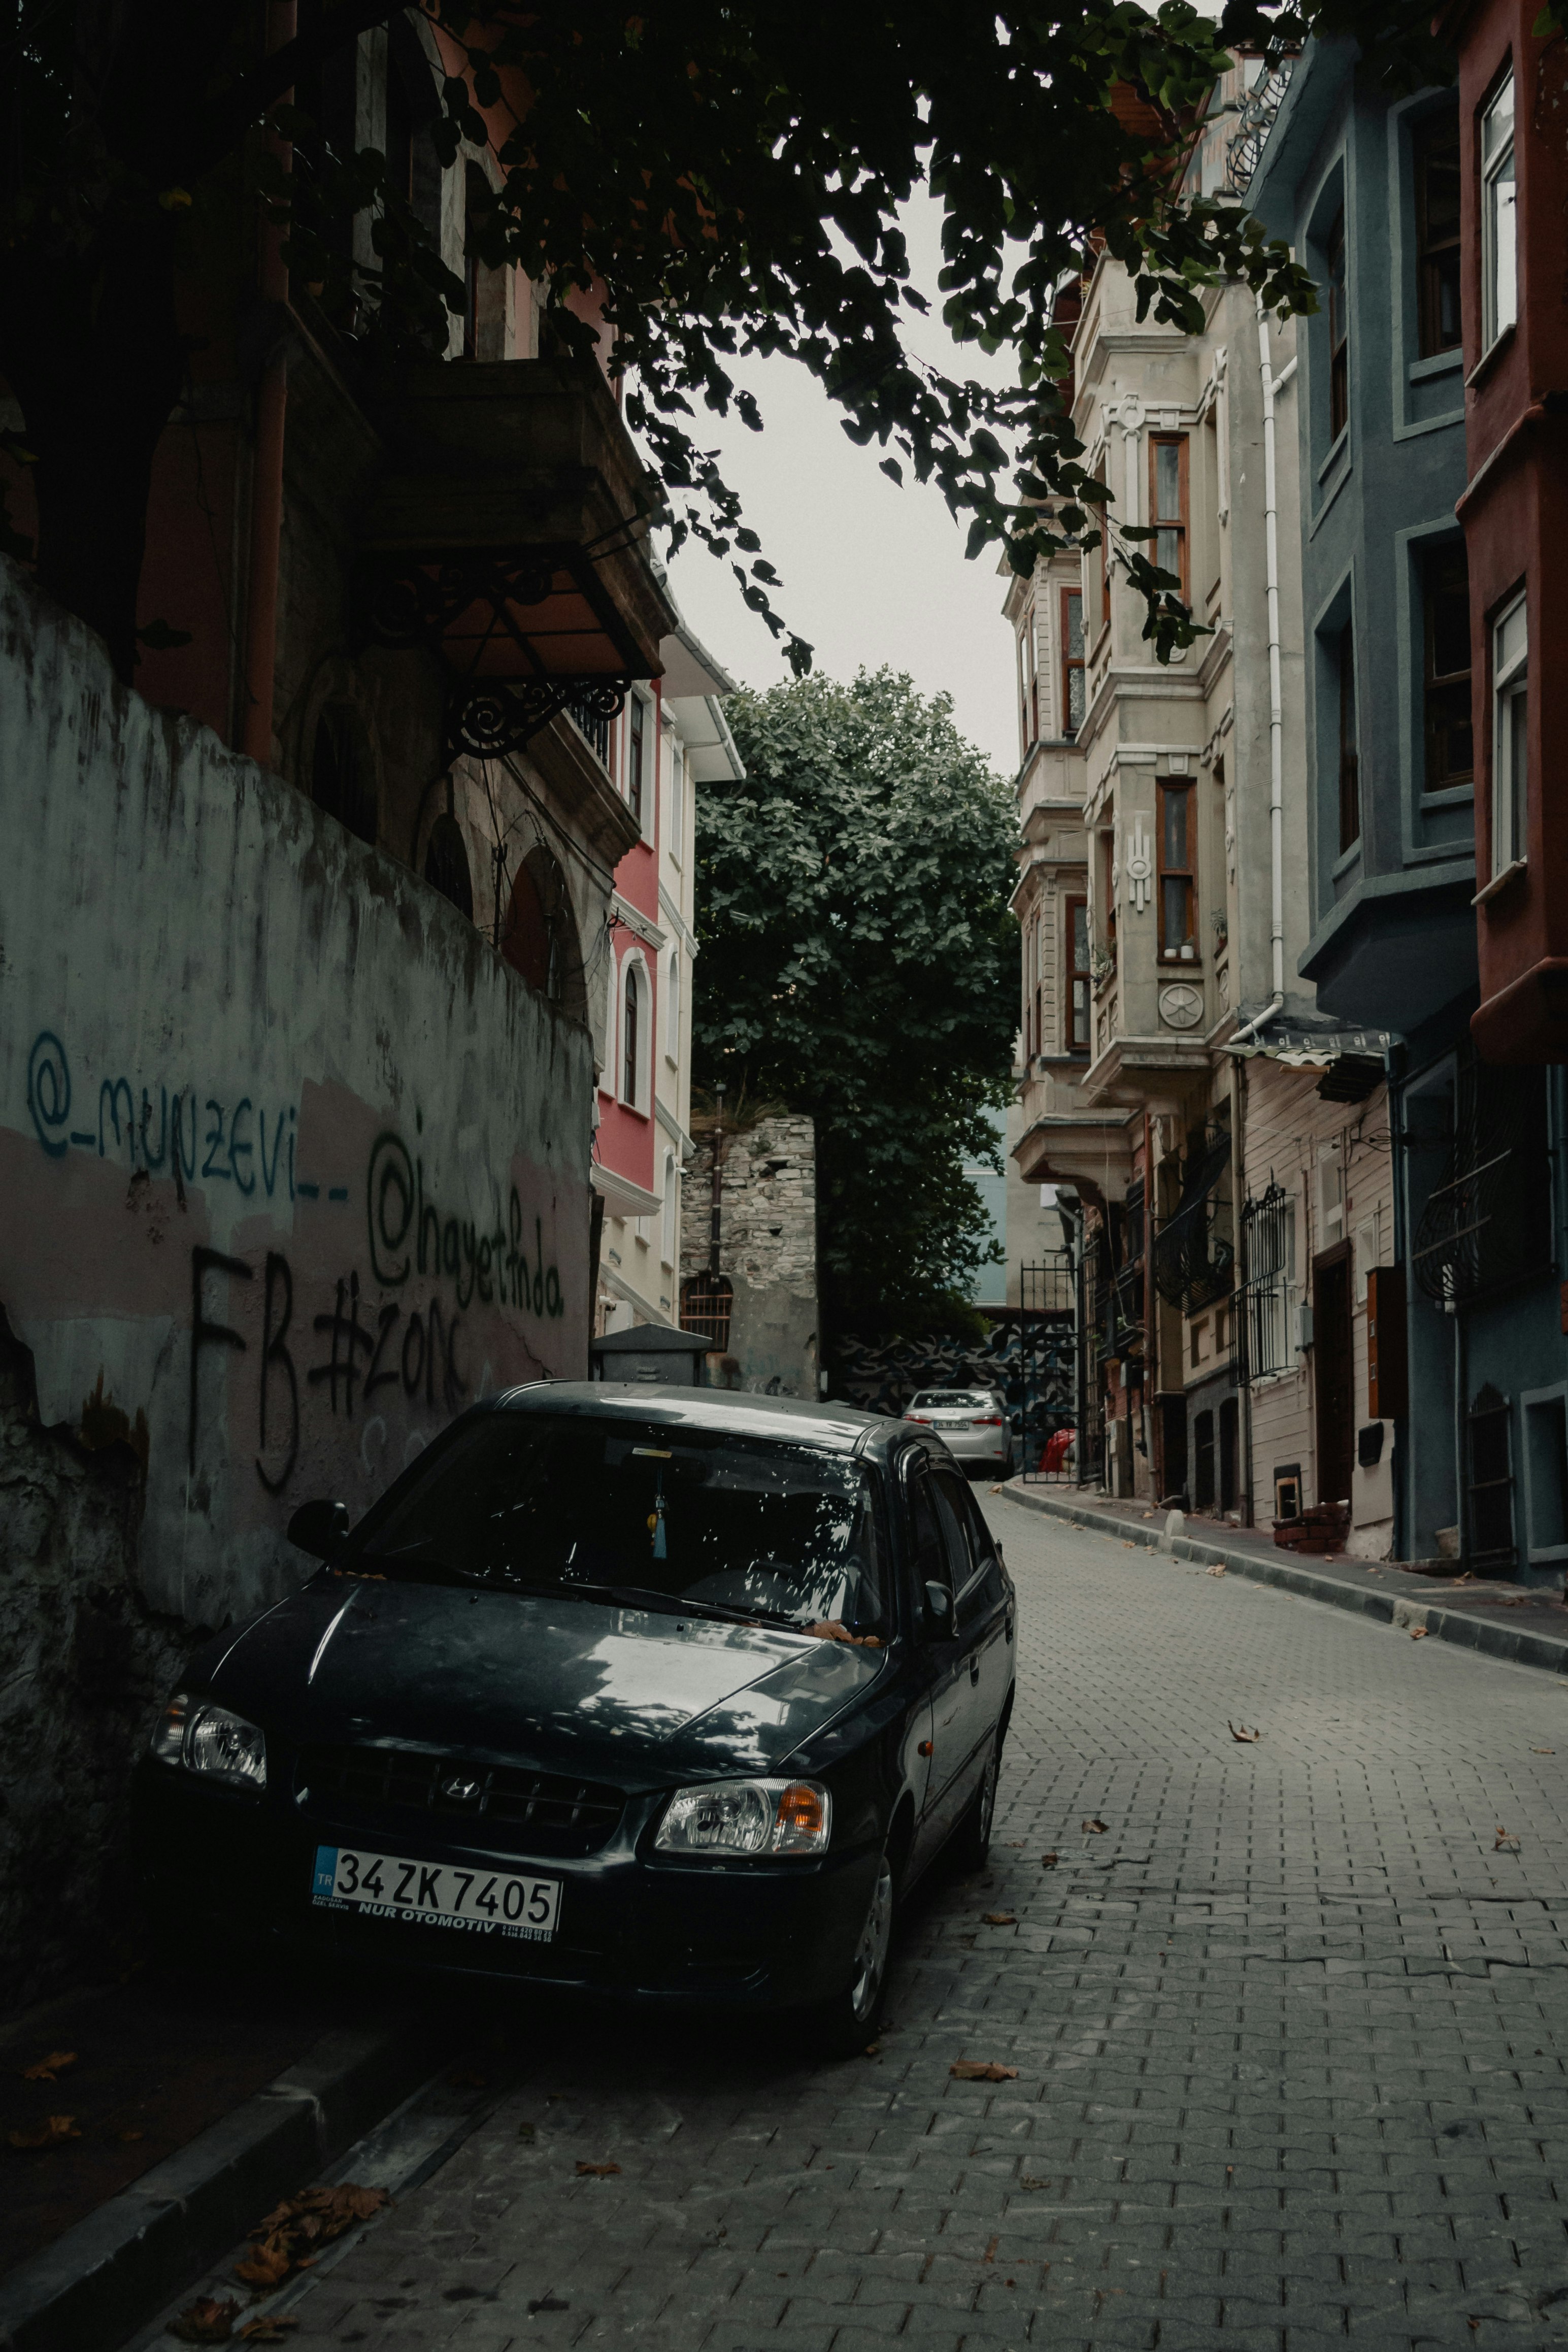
768	1250
294	1165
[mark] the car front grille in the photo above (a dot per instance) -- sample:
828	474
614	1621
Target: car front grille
539	1812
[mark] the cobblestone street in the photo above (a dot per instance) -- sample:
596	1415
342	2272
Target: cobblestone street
1284	2034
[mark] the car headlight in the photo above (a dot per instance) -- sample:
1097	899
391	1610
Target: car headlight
747	1817
211	1740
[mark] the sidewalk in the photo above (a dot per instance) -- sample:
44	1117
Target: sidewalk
1505	1621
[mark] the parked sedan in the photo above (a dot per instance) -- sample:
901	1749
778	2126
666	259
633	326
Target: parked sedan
972	1423
672	1694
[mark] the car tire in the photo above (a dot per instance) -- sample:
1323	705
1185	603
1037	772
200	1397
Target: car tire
842	2028
972	1837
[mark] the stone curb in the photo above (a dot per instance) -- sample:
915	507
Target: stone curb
1513	1643
104	2278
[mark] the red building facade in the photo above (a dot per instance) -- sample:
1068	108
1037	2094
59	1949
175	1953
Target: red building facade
1514	120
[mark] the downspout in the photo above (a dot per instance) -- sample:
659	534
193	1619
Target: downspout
259	680
1276	698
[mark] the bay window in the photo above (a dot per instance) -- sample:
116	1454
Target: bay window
1511	718
1178	846
1167	502
1500	265
1446	600
1072	662
1077	976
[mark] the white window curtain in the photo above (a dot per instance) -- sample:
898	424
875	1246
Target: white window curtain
1510	718
673	1007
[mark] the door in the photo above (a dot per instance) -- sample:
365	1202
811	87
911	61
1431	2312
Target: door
939	1556
1229	1419
1333	1373
980	1630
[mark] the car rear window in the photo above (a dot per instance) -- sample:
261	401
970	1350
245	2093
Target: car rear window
950	1399
736	1522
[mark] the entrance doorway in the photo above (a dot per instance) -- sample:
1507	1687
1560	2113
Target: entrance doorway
1229	1421
1333	1373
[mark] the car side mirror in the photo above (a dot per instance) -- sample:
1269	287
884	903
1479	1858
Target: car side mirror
319	1527
939	1607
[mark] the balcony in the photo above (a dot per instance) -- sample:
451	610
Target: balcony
508	534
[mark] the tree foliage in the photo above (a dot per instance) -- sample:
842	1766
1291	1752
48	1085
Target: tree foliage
722	176
858	962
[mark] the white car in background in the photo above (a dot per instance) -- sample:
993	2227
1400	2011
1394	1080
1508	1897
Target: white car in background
972	1423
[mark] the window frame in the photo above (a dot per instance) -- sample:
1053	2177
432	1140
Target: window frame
636	756
1077	976
1167	789
673	1008
1181	527
1493	166
1511	791
634	1034
1070	664
1449	555
669	1220
1349	741
1438	260
1103	475
675	829
1336	288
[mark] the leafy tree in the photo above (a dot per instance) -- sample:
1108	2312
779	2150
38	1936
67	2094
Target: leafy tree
858	962
722	176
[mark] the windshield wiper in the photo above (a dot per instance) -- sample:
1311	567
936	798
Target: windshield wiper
644	1596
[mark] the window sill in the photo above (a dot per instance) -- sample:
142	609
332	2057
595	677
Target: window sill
1490	357
1500	883
1339	449
1171	959
1438	363
1345	860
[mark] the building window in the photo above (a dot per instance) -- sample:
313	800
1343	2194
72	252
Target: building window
1446	586
1167	502
1268	1270
1437	235
669	1213
635	723
1078	976
1101	476
1108	889
1349	756
1031	672
1499	261
1510	737
1339	331
706	1304
673	1008
1177	859
631	1018
1072	662
675	832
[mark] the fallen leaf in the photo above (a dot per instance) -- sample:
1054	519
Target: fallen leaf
990	2253
1506	1841
999	1918
1543	1751
1029	2182
1417	1633
129	2136
982	2070
1015	1845
595	2171
48	2068
1217	1570
829	1630
1239	1731
269	2266
266	2329
872	2050
1047	1862
50	2133
206	2321
1093	1826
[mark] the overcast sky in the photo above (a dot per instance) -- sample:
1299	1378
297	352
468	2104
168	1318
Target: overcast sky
871	573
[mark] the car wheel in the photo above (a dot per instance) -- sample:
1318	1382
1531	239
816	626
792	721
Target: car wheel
842	2027
972	1838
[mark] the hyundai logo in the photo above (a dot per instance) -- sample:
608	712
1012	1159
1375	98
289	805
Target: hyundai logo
460	1790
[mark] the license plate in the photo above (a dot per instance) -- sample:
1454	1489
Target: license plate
436	1894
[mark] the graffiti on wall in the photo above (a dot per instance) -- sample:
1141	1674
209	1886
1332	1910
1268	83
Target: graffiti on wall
355	1338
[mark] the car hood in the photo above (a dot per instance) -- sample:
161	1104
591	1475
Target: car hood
564	1683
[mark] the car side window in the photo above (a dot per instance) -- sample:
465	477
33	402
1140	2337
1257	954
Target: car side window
951	1500
983	1542
929	1555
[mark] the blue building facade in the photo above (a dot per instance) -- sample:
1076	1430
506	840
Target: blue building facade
1366	191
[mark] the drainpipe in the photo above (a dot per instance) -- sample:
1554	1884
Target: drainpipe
266	469
1276	698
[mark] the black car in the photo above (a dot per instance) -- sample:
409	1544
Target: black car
663	1692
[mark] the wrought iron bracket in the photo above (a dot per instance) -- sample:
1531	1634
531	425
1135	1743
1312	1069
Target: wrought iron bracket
400	601
488	717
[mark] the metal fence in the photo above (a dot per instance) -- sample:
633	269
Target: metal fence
1051	1371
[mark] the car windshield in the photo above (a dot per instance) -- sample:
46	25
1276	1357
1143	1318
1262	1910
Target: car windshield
949	1399
735	1524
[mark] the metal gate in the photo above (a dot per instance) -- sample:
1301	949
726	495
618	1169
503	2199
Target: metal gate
1049	1368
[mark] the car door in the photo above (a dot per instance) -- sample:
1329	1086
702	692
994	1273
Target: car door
980	1628
936	1558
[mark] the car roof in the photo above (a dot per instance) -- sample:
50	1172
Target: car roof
841	1428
